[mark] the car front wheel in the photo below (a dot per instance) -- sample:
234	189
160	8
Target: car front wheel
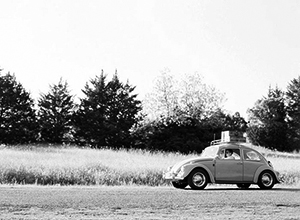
266	180
179	184
198	179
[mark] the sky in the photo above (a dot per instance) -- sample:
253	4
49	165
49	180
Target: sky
241	47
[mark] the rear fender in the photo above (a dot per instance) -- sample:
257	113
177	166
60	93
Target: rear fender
264	168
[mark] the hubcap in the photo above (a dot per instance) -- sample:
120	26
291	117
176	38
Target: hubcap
198	179
267	179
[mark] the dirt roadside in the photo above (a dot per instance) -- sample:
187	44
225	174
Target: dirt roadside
136	202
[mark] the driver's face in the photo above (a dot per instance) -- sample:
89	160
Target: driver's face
228	153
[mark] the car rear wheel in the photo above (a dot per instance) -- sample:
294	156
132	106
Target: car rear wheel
243	185
179	184
198	179
266	180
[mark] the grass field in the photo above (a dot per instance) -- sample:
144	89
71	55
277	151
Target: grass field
77	166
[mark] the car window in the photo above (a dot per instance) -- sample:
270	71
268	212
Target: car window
251	155
210	151
233	154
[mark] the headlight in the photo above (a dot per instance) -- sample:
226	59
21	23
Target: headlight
181	171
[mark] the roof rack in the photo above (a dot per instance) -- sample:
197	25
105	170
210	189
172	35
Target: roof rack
227	137
234	140
215	142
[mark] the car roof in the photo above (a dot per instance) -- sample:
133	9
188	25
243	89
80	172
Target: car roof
235	145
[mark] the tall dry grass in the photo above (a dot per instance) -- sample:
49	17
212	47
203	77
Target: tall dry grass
68	166
77	166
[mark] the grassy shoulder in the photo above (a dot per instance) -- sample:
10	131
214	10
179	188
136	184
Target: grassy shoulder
77	166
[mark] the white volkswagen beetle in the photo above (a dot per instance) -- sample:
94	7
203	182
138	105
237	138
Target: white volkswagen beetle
224	163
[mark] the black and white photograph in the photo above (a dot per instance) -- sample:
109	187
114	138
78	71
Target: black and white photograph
147	109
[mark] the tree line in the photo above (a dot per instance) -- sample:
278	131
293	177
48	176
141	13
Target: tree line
103	117
179	115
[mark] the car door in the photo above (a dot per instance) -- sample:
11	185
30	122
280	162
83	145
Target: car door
252	161
229	169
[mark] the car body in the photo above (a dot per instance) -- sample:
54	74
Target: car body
246	166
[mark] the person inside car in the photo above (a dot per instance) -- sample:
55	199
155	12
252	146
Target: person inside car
228	154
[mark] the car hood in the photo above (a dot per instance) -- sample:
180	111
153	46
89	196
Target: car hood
178	165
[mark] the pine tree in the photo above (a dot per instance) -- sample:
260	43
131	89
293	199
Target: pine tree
17	115
293	111
268	125
55	114
107	113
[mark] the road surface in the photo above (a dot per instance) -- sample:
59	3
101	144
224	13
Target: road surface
139	202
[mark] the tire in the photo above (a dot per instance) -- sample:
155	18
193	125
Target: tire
198	179
266	180
243	185
179	184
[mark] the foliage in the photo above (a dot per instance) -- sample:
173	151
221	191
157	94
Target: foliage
17	116
220	121
185	134
293	112
107	113
267	118
55	114
198	99
170	135
190	96
164	99
183	115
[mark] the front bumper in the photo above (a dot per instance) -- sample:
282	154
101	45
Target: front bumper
172	176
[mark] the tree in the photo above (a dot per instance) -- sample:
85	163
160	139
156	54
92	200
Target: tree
293	112
18	123
190	96
164	99
198	99
185	134
55	113
107	113
268	126
220	121
166	134
236	123
185	115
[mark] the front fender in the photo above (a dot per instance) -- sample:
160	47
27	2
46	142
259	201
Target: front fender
187	169
264	168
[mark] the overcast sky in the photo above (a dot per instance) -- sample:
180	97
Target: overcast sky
240	47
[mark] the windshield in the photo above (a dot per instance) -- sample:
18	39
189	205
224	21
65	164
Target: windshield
210	151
